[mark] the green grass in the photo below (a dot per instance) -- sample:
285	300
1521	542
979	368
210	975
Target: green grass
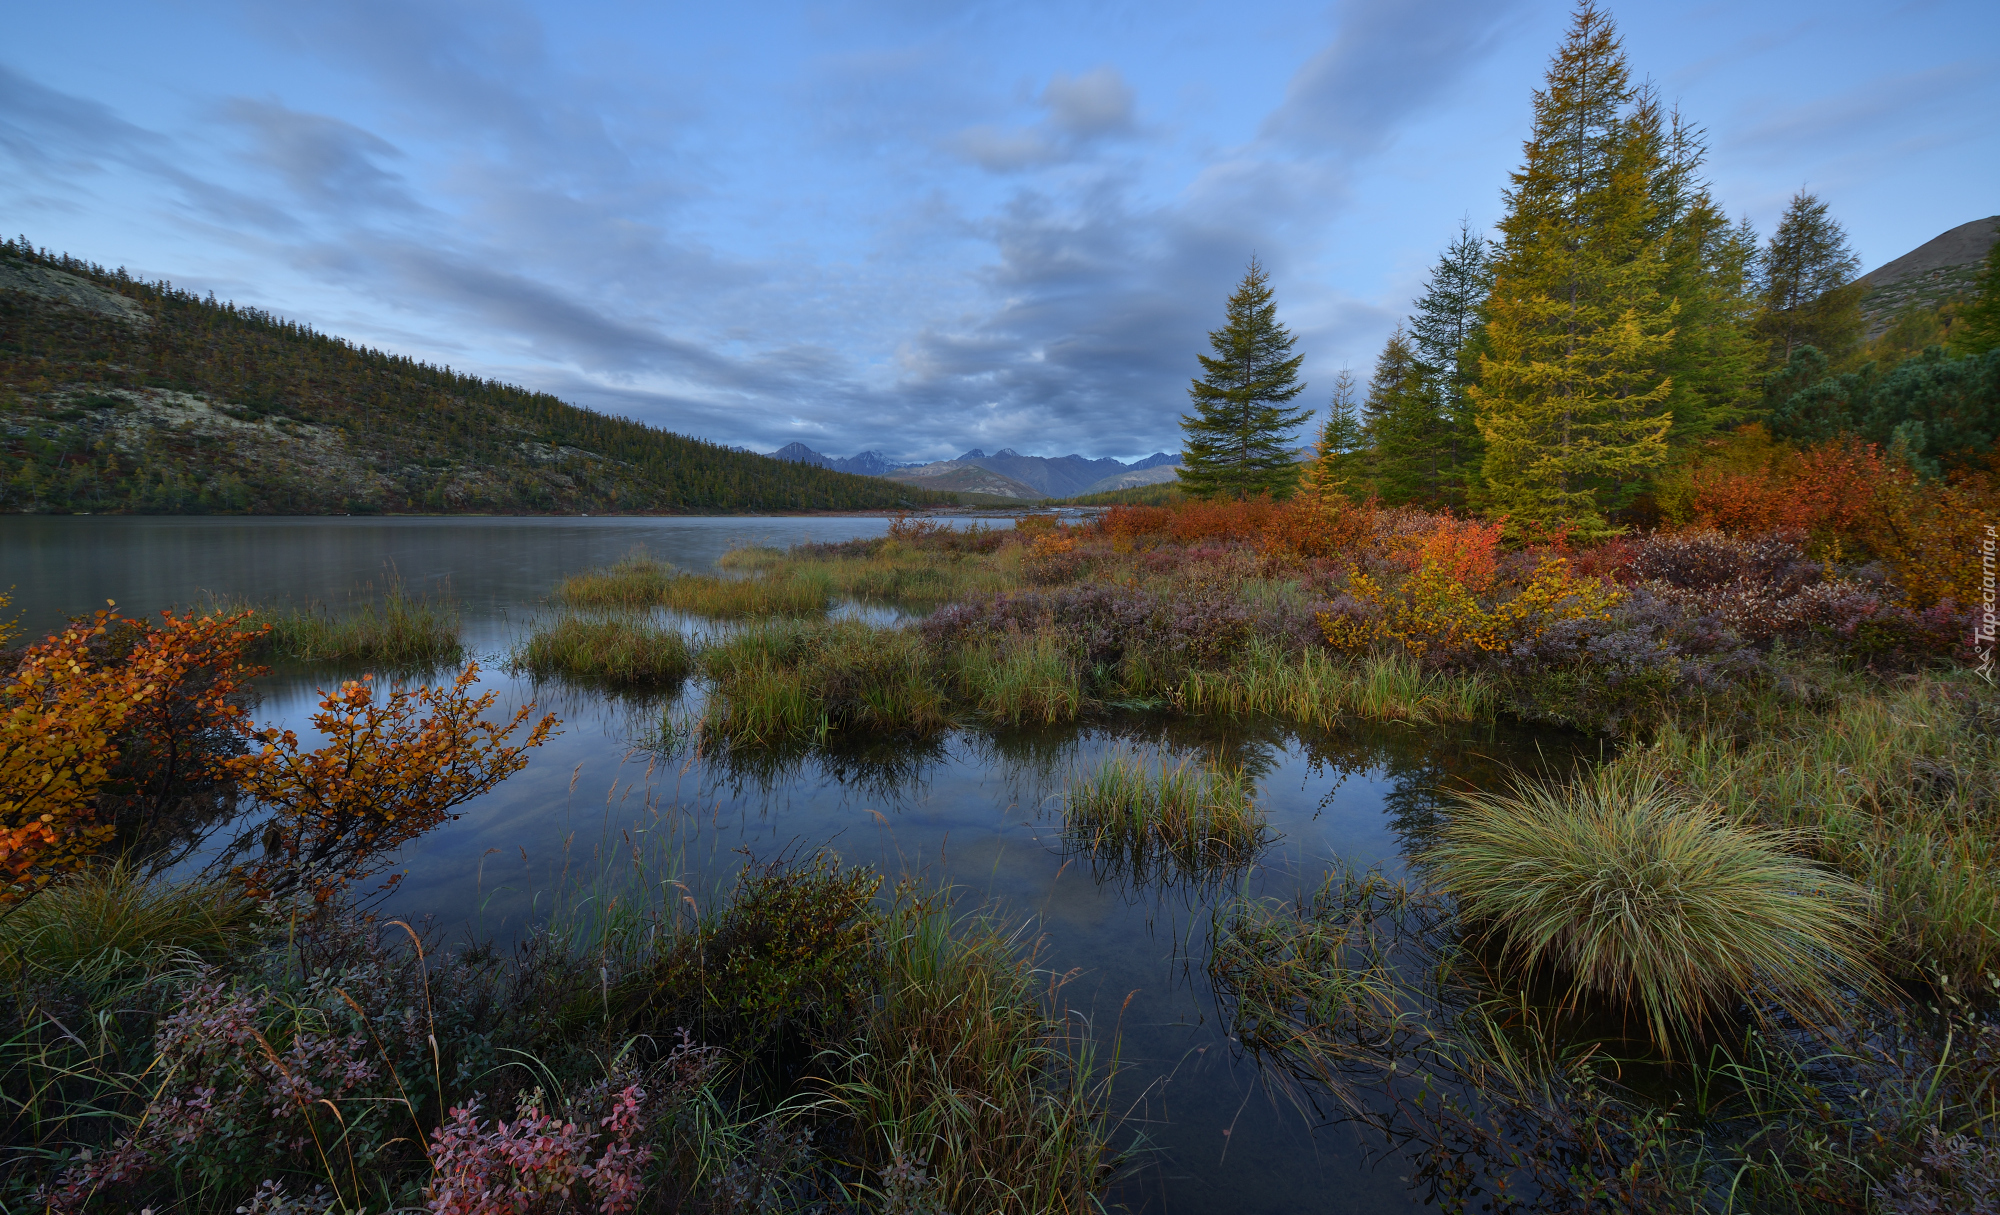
1657	905
1023	679
635	581
965	1067
798	681
609	649
1319	688
1196	816
403	632
109	916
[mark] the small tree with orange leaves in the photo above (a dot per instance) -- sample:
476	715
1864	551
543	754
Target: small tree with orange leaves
391	770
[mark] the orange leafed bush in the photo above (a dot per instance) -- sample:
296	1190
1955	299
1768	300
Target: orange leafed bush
75	705
1751	486
390	771
1322	525
1465	551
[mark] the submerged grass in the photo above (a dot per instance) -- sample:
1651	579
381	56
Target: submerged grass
1664	907
403	631
609	649
1196	816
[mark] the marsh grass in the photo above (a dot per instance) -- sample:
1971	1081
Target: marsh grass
607	649
1896	787
1020	679
967	1065
640	581
1658	905
799	681
1319	688
403	632
112	916
1194	816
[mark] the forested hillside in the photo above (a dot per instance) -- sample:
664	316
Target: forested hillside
123	396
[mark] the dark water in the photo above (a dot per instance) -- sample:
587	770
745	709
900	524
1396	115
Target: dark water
974	810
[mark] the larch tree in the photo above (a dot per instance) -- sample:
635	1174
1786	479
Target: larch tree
1239	435
1571	396
1443	331
1811	297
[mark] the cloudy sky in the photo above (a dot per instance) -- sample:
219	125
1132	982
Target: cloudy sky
912	226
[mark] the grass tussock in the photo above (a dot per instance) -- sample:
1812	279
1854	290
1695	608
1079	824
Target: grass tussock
1896	787
1196	816
798	681
967	1069
1655	904
607	649
112	916
1022	679
637	580
403	631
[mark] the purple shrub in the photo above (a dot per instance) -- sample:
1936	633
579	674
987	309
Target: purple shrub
540	1164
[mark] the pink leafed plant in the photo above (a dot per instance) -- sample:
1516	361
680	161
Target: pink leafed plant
539	1164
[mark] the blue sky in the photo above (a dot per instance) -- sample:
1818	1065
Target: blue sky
918	227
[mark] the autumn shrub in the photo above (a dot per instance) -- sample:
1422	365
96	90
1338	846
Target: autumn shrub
390	771
116	731
1442	620
542	1163
1052	559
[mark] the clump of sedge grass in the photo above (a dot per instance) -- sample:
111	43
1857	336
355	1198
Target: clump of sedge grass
610	649
1194	814
1657	905
1318	688
110	915
1022	678
404	632
964	1067
785	681
637	580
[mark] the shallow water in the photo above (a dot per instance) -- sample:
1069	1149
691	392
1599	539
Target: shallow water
973	809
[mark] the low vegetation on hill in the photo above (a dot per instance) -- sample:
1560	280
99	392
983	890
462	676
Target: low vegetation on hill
123	396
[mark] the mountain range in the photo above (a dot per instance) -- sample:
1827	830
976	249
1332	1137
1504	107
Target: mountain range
1005	473
1928	275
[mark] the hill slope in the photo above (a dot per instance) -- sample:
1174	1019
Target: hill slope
123	396
1938	270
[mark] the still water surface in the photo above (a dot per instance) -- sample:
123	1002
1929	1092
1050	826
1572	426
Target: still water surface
974	810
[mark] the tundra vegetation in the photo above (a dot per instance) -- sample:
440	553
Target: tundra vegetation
1749	961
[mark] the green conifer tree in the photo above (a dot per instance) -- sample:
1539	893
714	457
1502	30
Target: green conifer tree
1443	332
1811	297
1406	429
1716	355
1976	329
1571	398
1239	436
1339	465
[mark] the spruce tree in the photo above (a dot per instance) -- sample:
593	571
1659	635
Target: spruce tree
1976	329
1443	330
1710	272
1405	426
1239	436
1810	296
1337	466
1571	398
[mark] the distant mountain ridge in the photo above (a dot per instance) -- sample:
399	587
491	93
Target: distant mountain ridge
1047	476
1928	275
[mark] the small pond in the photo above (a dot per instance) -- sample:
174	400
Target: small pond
973	809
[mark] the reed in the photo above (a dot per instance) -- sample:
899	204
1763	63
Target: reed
607	649
1653	903
1193	815
403	632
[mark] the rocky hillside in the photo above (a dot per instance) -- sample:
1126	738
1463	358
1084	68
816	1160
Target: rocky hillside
1936	271
123	396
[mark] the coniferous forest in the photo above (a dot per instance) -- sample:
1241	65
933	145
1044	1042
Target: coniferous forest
189	406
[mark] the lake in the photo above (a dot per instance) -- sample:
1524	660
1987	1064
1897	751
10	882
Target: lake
974	810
